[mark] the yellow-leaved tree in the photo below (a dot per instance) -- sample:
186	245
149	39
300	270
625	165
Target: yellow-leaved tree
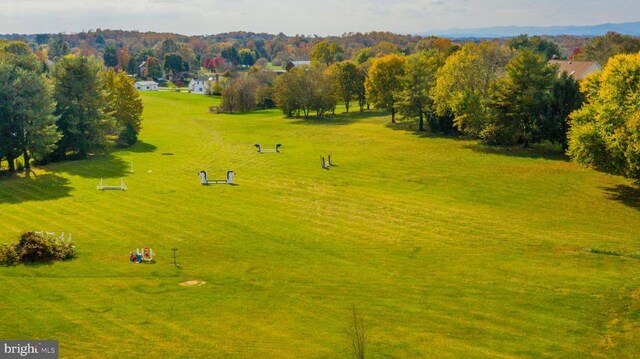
605	133
384	82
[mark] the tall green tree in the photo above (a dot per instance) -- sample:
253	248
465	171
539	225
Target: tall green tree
416	100
520	101
602	48
565	98
58	46
27	126
364	55
347	81
361	90
33	108
110	56
80	103
605	132
230	54
246	57
154	70
173	64
42	39
384	82
167	46
326	53
547	48
20	55
132	66
9	133
463	83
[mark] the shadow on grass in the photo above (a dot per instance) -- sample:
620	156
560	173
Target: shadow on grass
337	119
99	166
138	147
38	264
544	151
31	188
103	165
412	128
628	195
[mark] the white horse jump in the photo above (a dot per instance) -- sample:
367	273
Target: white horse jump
204	181
268	150
326	164
52	235
121	187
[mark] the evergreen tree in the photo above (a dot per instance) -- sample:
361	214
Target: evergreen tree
132	66
58	46
153	70
110	56
565	98
520	101
33	110
27	126
80	104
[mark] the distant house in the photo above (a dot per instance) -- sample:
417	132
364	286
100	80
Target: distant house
146	86
202	84
292	64
576	69
142	68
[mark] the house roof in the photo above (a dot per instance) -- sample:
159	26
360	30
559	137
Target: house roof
300	63
577	69
146	83
205	78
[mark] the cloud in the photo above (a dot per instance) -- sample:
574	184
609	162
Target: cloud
302	17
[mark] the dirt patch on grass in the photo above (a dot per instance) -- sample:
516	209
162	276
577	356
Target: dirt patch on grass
193	283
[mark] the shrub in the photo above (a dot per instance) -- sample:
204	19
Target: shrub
8	255
35	248
63	250
496	135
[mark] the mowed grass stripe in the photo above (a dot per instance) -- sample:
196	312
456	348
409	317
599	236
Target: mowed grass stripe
447	250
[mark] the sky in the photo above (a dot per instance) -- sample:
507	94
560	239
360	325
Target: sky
318	17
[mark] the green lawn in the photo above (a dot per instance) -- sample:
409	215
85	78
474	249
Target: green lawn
446	248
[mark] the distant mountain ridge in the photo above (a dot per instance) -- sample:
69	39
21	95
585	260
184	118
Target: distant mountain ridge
628	28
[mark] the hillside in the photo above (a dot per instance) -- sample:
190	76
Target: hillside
630	28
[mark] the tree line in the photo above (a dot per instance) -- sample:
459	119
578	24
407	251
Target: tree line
75	109
166	53
502	95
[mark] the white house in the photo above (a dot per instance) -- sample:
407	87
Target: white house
146	86
202	84
142	68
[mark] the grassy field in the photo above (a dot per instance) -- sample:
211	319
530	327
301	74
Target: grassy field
445	247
